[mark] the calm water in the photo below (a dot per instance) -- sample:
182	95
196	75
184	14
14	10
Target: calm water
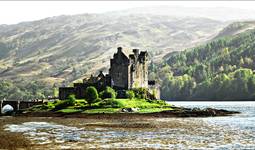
232	132
245	120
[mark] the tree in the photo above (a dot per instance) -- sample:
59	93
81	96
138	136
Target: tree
91	94
108	93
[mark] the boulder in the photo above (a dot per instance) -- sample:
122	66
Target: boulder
129	109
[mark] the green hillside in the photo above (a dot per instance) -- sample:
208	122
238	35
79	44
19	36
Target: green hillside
220	70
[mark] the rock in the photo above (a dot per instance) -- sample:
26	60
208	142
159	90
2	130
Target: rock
134	109
196	109
129	109
211	111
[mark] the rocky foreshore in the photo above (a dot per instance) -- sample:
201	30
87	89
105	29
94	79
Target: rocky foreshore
197	112
176	112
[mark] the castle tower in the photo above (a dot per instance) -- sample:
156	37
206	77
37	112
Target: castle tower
138	69
129	72
119	70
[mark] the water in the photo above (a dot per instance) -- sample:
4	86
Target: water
245	120
231	132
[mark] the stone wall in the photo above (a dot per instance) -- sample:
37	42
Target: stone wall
64	92
119	70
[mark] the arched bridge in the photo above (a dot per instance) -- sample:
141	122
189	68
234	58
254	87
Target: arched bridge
18	105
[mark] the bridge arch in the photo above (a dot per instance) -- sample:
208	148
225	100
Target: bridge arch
7	108
13	104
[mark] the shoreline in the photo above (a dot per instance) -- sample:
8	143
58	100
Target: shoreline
179	112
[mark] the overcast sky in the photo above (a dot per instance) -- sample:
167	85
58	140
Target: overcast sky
14	12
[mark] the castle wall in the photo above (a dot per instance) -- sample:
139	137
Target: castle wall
64	92
120	76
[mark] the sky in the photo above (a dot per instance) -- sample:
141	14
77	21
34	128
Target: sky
12	12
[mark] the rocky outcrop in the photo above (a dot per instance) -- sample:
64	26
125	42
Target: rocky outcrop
197	112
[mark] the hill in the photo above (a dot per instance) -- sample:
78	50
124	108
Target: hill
71	47
219	70
236	28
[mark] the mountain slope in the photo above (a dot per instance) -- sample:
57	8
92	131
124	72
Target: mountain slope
236	28
66	48
220	70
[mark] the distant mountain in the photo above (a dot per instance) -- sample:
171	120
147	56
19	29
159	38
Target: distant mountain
236	28
66	48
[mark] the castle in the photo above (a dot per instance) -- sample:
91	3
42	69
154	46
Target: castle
126	72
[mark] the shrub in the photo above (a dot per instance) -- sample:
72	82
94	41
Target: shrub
91	94
61	105
110	103
48	105
108	93
141	93
65	103
130	94
71	100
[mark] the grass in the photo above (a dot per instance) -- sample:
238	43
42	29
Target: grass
69	110
102	110
107	106
140	103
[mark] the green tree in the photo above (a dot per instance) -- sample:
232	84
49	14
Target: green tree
108	93
91	94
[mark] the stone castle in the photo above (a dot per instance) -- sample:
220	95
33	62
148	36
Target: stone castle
126	72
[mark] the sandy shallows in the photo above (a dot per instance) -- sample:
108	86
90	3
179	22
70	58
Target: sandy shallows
145	133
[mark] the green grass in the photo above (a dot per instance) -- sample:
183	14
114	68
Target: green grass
102	110
108	106
140	103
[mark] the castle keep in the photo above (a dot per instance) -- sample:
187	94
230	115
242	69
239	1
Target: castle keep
126	72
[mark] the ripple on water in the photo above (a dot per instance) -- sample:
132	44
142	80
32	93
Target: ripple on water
205	137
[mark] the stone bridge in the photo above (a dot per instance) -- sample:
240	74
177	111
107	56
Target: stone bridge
18	105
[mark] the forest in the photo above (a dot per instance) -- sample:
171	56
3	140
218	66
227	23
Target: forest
219	70
25	90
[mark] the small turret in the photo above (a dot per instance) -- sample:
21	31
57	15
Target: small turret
119	49
136	52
